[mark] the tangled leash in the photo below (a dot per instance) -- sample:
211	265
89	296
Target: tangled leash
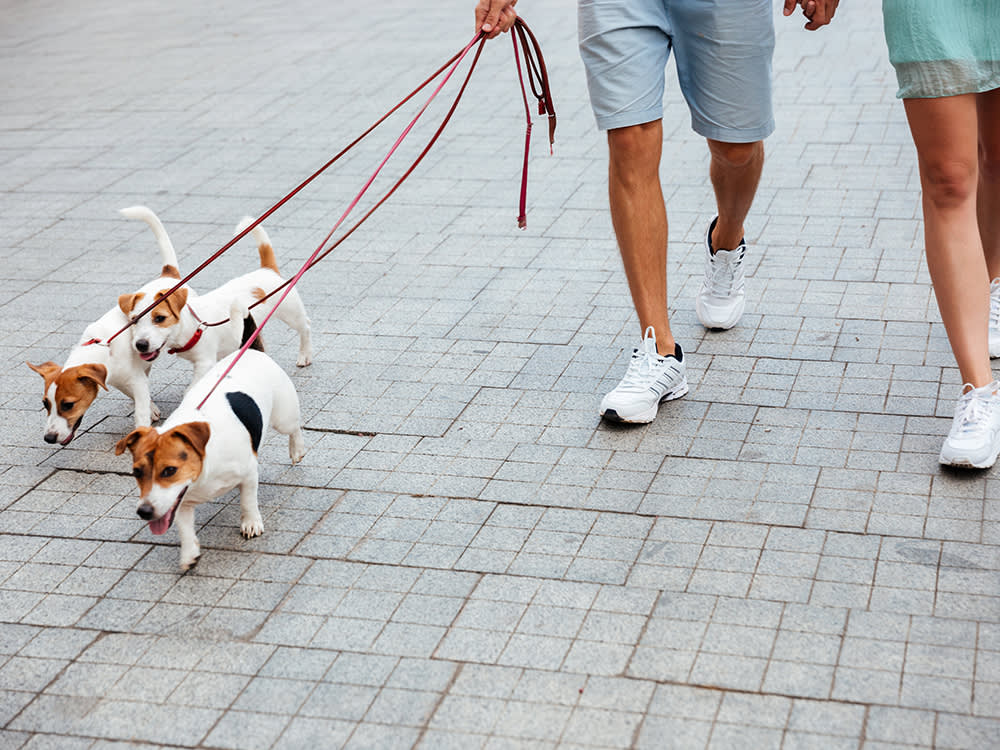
539	84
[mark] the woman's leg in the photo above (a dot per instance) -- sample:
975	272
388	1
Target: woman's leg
945	131
988	200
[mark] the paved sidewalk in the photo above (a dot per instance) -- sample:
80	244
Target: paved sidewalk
467	558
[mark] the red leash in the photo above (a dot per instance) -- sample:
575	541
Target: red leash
279	204
538	80
316	253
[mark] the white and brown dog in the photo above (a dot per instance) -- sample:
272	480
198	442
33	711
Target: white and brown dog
198	455
179	321
94	364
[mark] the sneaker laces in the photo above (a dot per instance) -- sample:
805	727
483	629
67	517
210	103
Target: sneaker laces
973	410
725	275
643	360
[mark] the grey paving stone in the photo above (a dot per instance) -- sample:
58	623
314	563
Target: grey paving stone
467	557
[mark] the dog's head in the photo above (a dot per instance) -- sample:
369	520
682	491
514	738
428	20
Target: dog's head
164	466
152	331
67	396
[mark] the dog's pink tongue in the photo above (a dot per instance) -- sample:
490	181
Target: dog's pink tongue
160	525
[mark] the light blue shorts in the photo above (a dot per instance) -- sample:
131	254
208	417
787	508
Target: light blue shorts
723	50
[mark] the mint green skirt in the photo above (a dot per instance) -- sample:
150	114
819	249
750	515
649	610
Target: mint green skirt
943	47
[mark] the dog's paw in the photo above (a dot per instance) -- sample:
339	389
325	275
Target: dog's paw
154	412
189	561
252	526
304	360
296	447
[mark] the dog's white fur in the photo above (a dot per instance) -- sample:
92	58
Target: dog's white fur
180	322
210	450
91	366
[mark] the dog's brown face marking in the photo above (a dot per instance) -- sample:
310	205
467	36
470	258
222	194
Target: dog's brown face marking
167	312
174	458
70	392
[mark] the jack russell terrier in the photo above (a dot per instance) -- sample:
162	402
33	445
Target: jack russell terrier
198	455
94	364
179	321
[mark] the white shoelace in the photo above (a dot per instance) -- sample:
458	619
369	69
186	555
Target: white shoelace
973	411
642	362
726	276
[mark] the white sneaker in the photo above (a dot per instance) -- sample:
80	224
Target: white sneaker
650	380
995	318
974	439
722	297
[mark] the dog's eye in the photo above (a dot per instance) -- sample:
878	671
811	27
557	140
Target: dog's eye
168	471
159	318
47	404
66	405
137	472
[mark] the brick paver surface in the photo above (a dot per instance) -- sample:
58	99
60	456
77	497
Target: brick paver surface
467	557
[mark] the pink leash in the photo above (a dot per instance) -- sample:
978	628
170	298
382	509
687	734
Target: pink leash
313	258
538	80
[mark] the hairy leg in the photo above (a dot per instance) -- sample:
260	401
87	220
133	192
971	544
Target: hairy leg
735	171
639	216
946	135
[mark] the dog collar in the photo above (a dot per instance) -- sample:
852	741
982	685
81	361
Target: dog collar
191	342
195	338
91	342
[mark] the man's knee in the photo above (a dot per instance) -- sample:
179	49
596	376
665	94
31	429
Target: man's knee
634	151
736	155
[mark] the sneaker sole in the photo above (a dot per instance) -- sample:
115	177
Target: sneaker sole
715	325
649	415
968	462
964	462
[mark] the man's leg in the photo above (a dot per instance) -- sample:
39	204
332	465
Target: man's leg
735	172
655	374
639	217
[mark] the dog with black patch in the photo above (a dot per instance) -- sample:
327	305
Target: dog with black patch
199	454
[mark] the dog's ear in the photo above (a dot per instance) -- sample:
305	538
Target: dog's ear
128	442
175	301
96	373
126	302
47	370
195	434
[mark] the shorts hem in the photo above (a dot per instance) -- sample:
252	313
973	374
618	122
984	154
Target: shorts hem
627	119
733	135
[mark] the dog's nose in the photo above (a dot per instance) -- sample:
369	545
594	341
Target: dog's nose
145	511
141	345
51	437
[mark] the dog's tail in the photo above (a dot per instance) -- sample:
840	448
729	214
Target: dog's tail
167	252
267	259
243	325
